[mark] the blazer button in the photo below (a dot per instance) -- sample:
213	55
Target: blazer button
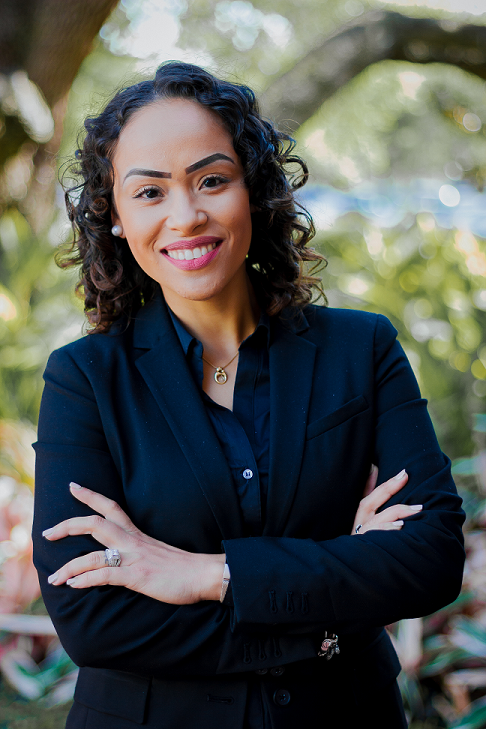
261	671
281	697
277	671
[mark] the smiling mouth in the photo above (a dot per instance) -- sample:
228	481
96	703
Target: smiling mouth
189	254
193	255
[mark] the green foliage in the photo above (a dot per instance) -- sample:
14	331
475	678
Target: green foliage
399	118
443	656
394	119
424	279
36	312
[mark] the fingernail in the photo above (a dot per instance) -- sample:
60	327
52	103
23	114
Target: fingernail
373	468
75	486
400	475
71	581
53	578
395	523
416	507
46	532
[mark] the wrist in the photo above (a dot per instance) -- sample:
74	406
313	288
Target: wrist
225	582
213	577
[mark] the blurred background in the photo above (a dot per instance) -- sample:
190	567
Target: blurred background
388	103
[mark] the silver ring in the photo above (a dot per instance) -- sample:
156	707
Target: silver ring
112	558
356	531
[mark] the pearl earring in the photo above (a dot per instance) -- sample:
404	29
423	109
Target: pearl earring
117	230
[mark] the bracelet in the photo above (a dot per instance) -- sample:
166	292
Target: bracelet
225	583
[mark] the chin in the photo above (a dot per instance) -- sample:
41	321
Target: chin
200	293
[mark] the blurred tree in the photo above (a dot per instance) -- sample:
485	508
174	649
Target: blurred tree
376	94
333	67
373	37
426	280
42	45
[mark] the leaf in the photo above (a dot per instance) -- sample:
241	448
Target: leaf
475	717
441	662
467	466
470	636
27	624
479	422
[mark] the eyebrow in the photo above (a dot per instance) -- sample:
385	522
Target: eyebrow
147	173
207	161
192	168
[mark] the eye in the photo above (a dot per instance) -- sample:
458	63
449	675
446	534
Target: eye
149	192
214	181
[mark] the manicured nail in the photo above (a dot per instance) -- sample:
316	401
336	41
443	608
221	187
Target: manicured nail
53	578
417	507
71	581
398	523
400	475
46	532
75	486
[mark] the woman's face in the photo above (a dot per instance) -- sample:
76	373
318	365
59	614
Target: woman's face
181	199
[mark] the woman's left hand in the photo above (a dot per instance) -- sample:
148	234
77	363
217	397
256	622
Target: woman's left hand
148	566
374	497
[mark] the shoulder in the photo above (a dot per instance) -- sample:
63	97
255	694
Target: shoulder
92	351
348	325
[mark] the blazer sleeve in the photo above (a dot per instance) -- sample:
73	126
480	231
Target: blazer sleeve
376	578
113	627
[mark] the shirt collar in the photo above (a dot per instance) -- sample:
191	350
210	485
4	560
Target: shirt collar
188	342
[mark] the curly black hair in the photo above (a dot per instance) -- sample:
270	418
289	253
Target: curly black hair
111	281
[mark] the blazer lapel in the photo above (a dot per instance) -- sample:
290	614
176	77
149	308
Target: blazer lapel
166	373
291	373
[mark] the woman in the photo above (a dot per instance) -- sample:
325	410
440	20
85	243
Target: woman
216	431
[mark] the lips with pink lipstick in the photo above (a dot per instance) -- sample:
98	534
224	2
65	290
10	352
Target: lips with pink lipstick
190	255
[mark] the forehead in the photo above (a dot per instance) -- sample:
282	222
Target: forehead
170	132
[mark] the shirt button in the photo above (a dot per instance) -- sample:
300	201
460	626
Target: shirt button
281	697
261	671
247	473
277	671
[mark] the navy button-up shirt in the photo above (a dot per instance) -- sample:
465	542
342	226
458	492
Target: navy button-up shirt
244	433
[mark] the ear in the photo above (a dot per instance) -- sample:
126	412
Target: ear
117	222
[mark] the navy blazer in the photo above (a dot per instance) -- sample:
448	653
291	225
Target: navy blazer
122	415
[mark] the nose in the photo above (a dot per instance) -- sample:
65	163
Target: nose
185	213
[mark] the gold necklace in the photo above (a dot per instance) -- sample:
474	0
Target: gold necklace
220	375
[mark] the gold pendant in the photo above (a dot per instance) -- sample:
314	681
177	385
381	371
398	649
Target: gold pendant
220	376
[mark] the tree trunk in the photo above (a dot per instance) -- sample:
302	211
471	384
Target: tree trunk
42	45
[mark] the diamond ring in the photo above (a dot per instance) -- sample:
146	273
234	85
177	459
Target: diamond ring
112	558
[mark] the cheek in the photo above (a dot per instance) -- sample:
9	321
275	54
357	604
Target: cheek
240	216
142	252
138	256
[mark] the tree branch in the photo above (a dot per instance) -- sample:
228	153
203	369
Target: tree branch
297	95
62	36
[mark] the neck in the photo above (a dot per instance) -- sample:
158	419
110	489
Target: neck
222	322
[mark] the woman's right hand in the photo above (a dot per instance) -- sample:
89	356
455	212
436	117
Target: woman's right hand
373	498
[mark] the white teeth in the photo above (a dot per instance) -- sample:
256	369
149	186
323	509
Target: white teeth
188	254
